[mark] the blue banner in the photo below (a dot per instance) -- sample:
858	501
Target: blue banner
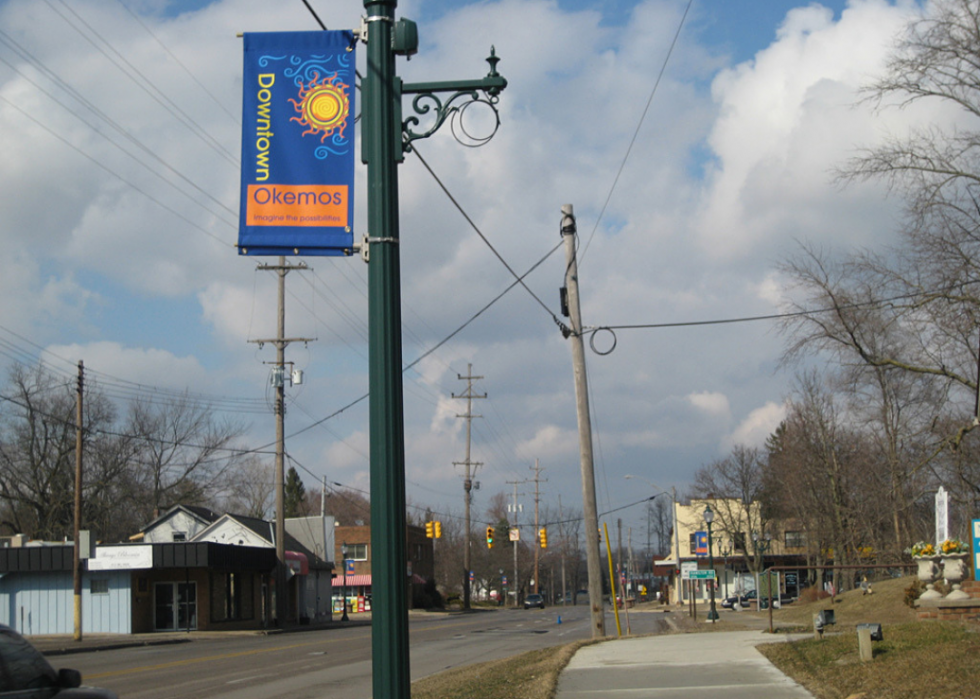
298	144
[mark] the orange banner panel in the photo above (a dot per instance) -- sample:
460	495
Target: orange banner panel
296	205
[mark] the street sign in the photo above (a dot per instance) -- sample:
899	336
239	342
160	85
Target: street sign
701	575
515	534
976	549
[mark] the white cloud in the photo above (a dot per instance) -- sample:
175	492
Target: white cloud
715	404
718	185
756	428
152	367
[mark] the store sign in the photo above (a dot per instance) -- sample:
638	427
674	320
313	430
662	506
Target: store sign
122	557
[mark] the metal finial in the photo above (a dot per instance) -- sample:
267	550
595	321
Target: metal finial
493	61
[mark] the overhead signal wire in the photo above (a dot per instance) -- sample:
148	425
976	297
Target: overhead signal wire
119	177
771	316
520	279
113	124
235	118
434	347
233	451
636	132
122	388
144	83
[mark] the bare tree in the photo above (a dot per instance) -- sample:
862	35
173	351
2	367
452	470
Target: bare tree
37	456
185	454
251	489
735	487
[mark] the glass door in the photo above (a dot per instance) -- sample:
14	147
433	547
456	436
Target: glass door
175	605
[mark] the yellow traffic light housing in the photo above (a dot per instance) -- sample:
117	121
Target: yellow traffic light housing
543	537
429	529
438	529
489	537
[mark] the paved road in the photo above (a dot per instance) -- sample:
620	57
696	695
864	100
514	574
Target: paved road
328	662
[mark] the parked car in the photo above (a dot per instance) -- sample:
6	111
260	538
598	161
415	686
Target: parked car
744	600
25	674
534	600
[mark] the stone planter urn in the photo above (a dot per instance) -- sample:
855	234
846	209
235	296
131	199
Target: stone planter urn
954	571
927	573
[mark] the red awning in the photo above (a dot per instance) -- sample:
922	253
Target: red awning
352	581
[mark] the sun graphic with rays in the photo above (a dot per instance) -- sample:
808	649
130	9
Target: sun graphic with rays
323	106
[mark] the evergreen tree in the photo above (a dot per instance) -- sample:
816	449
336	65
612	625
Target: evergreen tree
294	494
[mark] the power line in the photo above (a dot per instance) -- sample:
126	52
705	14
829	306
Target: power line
520	279
636	133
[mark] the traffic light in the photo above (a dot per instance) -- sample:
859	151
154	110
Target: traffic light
430	528
543	537
489	537
438	529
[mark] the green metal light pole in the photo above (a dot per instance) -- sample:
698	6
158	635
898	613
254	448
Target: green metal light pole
384	139
381	152
709	517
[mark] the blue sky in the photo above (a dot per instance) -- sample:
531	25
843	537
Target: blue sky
730	170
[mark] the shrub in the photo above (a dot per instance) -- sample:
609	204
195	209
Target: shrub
913	591
812	594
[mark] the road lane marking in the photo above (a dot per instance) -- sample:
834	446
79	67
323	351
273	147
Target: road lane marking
249	679
208	659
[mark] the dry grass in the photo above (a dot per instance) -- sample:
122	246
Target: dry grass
916	660
920	660
532	675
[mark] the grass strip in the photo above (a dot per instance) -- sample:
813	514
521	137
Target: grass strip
532	675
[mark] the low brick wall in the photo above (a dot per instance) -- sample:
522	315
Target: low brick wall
953	610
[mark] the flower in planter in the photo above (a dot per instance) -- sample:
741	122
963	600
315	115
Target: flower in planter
951	546
921	548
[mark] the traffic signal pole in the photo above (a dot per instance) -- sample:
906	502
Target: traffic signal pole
385	137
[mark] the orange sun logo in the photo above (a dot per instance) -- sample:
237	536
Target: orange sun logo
323	107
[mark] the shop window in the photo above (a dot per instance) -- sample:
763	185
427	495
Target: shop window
232	597
794	540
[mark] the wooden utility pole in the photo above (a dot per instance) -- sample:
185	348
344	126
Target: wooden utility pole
468	479
590	512
537	526
77	554
279	381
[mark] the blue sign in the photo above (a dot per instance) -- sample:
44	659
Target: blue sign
297	190
349	566
976	549
701	546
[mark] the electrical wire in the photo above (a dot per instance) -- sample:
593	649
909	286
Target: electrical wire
636	133
520	279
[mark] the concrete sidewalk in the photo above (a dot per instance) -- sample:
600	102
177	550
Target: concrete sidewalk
678	666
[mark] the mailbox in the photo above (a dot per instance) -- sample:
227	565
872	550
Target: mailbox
825	617
875	630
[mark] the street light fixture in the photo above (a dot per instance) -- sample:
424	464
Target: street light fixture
343	551
709	517
760	543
